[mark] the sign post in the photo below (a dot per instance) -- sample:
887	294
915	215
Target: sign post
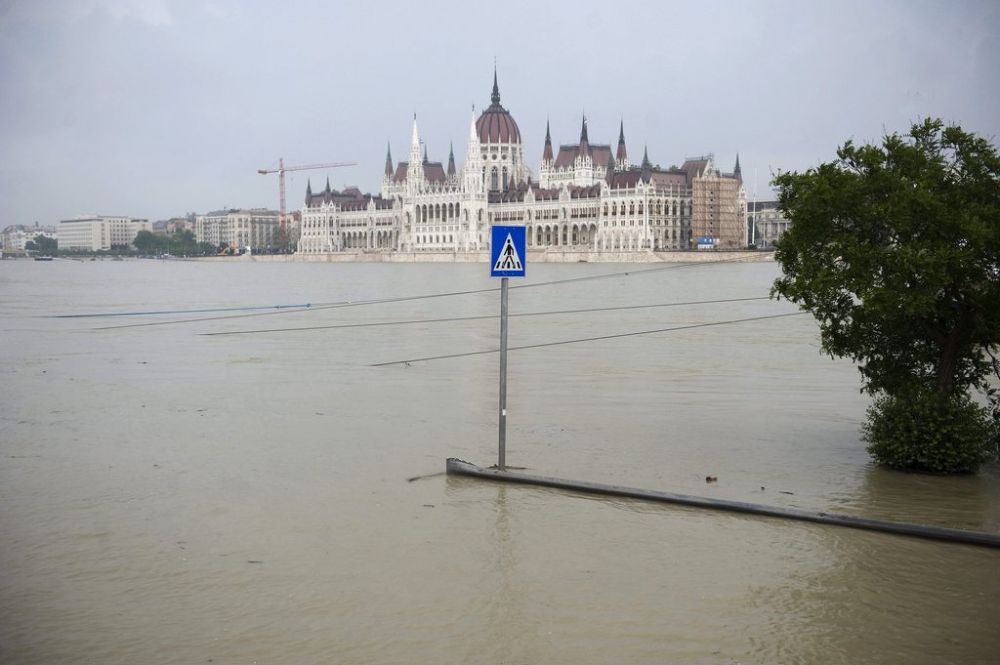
507	259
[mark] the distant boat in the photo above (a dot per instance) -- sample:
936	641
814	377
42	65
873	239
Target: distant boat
43	258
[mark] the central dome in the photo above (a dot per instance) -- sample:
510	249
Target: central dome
496	125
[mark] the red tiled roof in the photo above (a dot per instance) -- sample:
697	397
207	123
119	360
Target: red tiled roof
400	174
567	154
625	178
349	195
361	203
694	168
545	194
676	178
496	125
434	172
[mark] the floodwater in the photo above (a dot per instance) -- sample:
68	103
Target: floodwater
172	497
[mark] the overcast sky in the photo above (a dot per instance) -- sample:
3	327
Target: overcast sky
156	108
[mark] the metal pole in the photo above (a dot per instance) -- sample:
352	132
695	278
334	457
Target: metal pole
502	454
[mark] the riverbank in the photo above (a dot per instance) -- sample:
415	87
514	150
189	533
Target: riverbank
534	256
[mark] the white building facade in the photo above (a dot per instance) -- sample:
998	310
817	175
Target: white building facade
238	229
586	199
100	232
768	222
15	237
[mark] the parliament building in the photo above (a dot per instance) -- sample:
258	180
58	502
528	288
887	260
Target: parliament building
587	198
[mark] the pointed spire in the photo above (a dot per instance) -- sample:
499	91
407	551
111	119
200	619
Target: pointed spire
495	97
415	170
584	141
327	190
425	154
451	159
736	169
309	191
647	168
622	156
388	159
547	152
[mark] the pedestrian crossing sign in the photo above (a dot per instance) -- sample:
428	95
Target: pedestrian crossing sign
507	251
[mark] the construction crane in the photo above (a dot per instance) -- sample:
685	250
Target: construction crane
281	178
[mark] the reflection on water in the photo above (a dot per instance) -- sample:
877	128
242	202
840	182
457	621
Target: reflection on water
174	498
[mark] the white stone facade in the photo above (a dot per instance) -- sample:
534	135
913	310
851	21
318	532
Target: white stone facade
238	229
587	199
100	232
16	237
768	222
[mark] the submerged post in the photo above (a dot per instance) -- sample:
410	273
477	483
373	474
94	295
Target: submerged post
502	451
507	252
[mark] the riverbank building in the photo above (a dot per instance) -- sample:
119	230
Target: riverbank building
588	198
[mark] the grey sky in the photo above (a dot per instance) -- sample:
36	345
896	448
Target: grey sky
156	108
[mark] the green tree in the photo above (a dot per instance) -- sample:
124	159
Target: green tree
895	249
182	243
42	245
147	242
281	240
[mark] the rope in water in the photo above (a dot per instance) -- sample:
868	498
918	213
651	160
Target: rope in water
92	315
452	319
588	339
379	301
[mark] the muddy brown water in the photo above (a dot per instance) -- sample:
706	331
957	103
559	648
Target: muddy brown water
172	497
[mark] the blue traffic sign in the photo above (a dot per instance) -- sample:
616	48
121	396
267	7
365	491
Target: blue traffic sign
507	252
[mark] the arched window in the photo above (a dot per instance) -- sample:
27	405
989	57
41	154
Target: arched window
493	179
505	178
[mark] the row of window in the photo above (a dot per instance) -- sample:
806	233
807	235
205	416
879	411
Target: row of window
435	239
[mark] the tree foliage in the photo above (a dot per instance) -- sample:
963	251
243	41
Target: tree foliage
147	242
923	430
181	243
895	249
42	244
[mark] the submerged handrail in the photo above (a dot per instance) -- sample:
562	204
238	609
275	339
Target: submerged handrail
456	466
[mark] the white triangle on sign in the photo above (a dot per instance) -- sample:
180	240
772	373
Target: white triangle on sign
509	258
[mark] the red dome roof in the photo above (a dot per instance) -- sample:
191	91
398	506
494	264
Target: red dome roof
496	125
